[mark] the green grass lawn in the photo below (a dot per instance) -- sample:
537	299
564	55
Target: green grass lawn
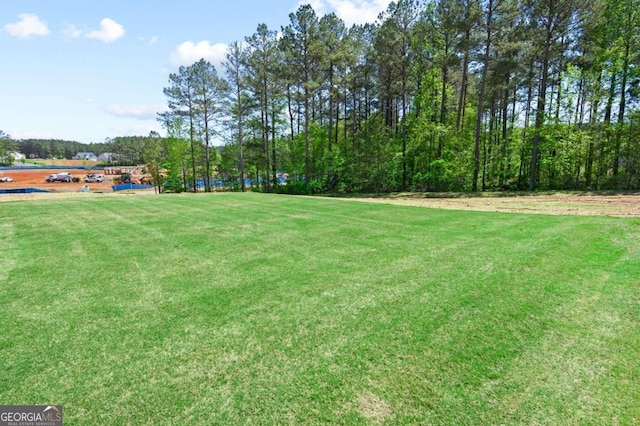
260	309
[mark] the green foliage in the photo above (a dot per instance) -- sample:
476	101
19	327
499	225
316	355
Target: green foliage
300	187
7	147
439	177
396	105
60	149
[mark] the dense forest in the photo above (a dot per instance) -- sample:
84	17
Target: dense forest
447	95
129	150
450	95
56	148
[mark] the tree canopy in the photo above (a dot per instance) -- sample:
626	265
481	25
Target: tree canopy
444	95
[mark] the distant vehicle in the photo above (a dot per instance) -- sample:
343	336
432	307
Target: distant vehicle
63	177
93	177
126	178
6	179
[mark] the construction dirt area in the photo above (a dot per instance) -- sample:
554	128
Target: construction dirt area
564	203
37	178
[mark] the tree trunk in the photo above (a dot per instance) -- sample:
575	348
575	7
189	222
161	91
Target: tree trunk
274	163
445	77
483	85
331	97
542	94
290	110
265	137
193	148
463	83
621	110
612	95
307	163
593	114
404	130
207	183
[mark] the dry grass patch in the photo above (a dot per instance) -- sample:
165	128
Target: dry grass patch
374	408
560	203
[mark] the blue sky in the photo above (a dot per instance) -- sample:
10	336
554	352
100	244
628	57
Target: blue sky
87	70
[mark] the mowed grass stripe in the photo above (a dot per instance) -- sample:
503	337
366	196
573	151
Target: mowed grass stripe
7	251
250	308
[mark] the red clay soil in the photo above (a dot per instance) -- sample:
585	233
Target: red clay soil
36	178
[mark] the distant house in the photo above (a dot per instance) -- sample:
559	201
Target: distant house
18	156
109	157
8	158
88	156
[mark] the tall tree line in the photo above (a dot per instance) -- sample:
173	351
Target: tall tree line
441	95
195	98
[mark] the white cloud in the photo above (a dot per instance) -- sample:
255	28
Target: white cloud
189	52
141	112
72	31
358	11
28	26
319	6
150	41
109	31
350	11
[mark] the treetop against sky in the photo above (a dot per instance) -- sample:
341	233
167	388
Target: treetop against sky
86	71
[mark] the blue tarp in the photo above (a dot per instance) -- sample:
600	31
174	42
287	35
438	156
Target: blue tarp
21	190
129	186
33	166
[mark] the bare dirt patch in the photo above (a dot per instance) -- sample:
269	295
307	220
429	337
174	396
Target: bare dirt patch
36	178
561	203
